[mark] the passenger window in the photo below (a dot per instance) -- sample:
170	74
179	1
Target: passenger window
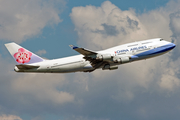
161	39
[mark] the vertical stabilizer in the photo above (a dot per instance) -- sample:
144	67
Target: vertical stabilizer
21	55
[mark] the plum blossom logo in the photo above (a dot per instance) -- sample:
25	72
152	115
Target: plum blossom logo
23	56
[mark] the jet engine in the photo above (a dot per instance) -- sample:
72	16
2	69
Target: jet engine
104	57
109	67
121	60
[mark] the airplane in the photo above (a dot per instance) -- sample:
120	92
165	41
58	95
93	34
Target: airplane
88	60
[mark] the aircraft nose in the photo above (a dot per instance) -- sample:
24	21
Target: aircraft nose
173	45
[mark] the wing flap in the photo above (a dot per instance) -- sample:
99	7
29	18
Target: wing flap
23	67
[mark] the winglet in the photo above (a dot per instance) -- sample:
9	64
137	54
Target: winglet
73	47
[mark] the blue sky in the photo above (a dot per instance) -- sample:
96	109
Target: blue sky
143	90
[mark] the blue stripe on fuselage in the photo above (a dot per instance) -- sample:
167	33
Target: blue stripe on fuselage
157	50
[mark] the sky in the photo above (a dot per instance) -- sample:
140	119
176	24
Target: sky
142	90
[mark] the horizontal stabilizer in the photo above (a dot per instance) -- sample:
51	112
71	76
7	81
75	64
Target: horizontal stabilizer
22	66
82	50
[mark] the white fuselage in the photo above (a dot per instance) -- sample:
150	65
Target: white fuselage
134	51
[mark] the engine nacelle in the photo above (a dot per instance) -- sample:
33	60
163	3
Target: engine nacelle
104	57
109	67
121	60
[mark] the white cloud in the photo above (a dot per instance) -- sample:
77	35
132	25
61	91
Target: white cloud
169	82
106	26
22	19
9	117
41	52
42	87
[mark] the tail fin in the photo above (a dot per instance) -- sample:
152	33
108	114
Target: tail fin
21	55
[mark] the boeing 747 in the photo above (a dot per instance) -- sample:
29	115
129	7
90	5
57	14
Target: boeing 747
88	60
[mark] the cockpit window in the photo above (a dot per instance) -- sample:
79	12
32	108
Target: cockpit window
161	39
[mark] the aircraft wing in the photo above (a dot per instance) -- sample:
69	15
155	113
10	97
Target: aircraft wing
82	50
89	55
22	66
